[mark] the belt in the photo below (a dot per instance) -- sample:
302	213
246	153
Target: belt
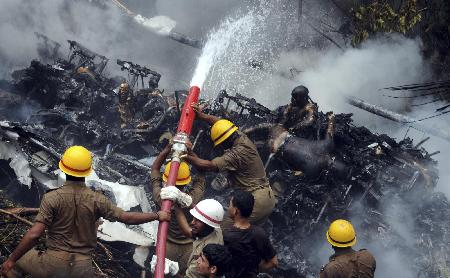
68	256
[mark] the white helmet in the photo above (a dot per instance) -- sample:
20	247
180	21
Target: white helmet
209	211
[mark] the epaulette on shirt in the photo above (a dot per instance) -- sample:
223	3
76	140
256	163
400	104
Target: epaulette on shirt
50	190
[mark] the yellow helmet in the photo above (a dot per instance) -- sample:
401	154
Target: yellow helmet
341	233
184	174
76	161
221	130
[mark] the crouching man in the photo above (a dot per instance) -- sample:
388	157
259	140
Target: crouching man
204	229
69	214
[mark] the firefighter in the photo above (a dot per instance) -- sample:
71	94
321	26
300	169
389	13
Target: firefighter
241	162
69	215
300	116
178	246
346	262
205	229
125	104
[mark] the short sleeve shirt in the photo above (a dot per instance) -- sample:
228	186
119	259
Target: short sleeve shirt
243	165
70	213
248	248
350	264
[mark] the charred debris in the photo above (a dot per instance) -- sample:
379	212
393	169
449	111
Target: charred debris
48	107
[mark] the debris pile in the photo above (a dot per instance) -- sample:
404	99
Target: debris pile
361	175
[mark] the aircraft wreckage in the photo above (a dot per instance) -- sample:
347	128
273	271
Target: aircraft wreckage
48	107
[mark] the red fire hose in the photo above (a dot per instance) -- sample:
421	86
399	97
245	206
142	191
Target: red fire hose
178	148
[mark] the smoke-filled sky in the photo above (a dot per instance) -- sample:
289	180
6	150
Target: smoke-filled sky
105	29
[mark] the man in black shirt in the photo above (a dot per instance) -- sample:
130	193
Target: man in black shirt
249	245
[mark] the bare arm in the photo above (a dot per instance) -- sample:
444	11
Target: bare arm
210	119
159	161
29	240
267	265
155	174
134	218
183	223
201	164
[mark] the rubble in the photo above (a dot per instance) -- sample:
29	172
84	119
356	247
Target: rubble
360	177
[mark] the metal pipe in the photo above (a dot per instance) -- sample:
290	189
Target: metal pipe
421	142
396	117
182	38
178	149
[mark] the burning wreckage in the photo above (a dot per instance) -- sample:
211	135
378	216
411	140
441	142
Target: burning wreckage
330	170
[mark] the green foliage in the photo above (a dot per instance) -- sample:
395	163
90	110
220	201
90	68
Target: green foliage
379	16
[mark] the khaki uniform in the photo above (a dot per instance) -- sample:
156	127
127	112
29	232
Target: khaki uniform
299	120
215	237
350	264
246	172
69	213
178	246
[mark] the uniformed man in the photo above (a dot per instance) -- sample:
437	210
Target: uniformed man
241	162
69	214
346	262
178	246
204	229
300	115
125	104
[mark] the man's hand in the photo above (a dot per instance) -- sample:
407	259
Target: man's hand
174	194
170	193
6	267
198	109
169	266
189	146
167	148
164	216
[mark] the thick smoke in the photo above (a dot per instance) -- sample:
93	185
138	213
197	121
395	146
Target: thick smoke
328	72
105	29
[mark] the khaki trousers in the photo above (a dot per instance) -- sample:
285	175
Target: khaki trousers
264	204
54	264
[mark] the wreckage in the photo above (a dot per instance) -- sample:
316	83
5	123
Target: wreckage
360	175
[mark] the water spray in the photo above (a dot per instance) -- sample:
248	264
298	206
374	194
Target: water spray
215	47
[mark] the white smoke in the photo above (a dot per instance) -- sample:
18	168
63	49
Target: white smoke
332	74
161	25
107	30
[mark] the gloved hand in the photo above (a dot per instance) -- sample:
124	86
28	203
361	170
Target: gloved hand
170	193
169	266
175	194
